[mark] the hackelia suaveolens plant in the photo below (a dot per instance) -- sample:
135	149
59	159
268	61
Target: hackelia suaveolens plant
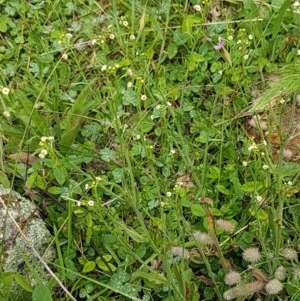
251	255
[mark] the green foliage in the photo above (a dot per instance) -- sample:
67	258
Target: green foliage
135	126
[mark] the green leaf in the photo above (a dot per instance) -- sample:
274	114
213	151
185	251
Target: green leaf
198	210
60	175
188	23
76	116
251	186
222	189
22	281
89	266
41	293
279	18
3	23
172	50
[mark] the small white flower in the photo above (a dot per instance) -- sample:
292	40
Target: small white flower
172	152
50	138
158	107
137	137
69	36
169	104
125	23
259	199
98	179
246	56
91	203
152	117
296	4
252	146
6	113
117	66
129	84
265	166
169	194
103	68
282	101
41	156
143	97
197	7
112	36
132	37
65	56
239	41
5	91
290	183
43	139
230	38
93	42
245	163
86	186
264	142
44	152
250	37
129	72
78	203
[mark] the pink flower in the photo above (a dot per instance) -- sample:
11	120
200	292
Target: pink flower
219	45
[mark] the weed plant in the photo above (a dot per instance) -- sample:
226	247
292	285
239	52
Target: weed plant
126	123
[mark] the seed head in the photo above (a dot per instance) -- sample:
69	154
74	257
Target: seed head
225	225
180	252
289	254
273	287
232	278
232	293
251	255
280	273
203	238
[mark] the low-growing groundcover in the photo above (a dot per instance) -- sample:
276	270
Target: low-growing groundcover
128	124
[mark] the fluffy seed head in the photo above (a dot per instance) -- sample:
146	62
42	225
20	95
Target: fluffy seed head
296	273
203	238
273	287
290	254
280	273
232	278
251	288
225	225
180	252
251	255
232	293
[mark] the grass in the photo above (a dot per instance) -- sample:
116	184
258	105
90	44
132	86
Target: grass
130	131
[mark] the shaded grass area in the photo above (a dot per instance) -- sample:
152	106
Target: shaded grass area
127	124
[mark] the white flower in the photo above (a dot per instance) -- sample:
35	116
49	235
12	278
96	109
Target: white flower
230	38
69	36
298	52
172	152
250	37
5	91
197	7
93	42
91	203
232	278
265	166
86	186
143	97
98	179
44	152
245	163
103	68
296	4
273	287
64	56
129	84
6	113
239	41
169	194
290	183
251	255
132	37
246	56
125	23
112	36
